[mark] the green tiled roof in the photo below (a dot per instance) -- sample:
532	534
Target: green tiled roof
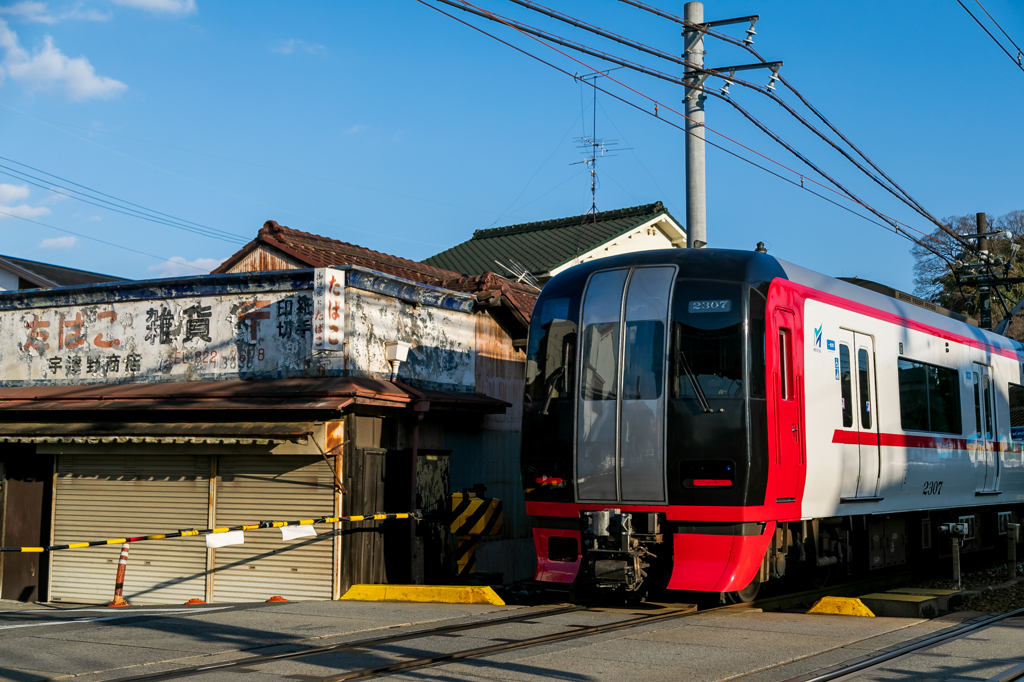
540	247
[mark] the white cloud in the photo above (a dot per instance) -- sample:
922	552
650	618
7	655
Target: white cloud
292	46
50	68
9	193
355	129
22	211
178	7
39	12
58	243
178	267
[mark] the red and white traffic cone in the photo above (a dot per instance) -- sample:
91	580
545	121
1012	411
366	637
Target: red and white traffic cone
122	564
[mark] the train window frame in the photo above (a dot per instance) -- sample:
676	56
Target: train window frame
952	414
864	387
1015	393
846	384
786	364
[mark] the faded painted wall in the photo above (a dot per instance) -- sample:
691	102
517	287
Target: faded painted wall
168	332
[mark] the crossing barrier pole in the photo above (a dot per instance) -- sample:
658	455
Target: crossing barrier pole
122	564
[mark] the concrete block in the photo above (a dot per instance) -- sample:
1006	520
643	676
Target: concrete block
948	599
440	594
841	606
891	605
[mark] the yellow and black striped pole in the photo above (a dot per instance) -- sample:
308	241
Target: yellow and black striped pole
379	516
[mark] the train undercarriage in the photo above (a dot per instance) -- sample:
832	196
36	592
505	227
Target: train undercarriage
632	552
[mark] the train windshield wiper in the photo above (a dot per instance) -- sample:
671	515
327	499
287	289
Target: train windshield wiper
701	398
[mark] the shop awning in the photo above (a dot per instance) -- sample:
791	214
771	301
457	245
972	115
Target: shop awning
298	394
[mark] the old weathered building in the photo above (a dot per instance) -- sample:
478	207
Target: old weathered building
484	452
151	407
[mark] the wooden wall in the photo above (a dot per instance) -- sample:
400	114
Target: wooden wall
500	373
263	259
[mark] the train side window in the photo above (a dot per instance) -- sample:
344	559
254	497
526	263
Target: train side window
977	405
864	384
846	384
786	364
990	418
929	397
1016	412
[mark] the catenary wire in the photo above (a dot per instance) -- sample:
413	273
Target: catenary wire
224	191
738	43
994	39
1019	51
211	230
57	124
573	21
131	213
100	241
539	35
901	233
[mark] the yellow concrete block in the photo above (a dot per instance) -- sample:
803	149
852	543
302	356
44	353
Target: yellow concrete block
439	594
841	606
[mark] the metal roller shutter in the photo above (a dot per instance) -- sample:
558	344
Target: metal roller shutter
113	496
269	488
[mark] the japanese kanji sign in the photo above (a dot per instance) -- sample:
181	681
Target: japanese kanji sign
328	309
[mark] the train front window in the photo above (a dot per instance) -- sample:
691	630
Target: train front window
707	345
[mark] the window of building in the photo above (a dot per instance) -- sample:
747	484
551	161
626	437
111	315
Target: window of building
929	397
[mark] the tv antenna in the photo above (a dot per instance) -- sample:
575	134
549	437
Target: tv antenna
519	271
592	146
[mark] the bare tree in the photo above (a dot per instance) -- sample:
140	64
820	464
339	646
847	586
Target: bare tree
937	278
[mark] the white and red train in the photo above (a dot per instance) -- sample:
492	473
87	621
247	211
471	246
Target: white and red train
709	419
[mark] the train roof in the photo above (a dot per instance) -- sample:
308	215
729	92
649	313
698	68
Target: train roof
754	267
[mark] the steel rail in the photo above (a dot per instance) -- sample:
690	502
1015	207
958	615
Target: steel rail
342	646
941	638
427	662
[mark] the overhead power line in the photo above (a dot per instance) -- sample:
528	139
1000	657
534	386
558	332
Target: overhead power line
100	241
896	192
913	203
117	205
541	36
1016	60
647	111
1019	52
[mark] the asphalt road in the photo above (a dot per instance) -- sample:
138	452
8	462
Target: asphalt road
95	643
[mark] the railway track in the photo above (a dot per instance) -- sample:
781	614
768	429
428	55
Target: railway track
384	646
1012	674
379	644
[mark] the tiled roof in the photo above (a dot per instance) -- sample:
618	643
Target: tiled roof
315	251
321	252
542	246
54	275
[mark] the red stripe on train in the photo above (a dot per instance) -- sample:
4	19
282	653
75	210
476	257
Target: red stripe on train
902	440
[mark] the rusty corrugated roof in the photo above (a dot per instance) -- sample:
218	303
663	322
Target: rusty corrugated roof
318	393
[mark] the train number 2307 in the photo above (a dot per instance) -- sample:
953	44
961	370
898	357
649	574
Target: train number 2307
932	488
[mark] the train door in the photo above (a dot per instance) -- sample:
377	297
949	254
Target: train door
861	458
986	432
620	428
788	429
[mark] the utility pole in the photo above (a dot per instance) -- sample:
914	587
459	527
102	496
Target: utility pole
695	76
696	188
984	291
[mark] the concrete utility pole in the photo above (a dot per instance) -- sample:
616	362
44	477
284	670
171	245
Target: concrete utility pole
696	188
984	291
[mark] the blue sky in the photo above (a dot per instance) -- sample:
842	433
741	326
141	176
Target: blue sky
386	124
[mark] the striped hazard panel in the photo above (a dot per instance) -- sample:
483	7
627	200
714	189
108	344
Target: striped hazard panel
472	517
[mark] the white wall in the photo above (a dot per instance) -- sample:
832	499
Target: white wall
8	281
